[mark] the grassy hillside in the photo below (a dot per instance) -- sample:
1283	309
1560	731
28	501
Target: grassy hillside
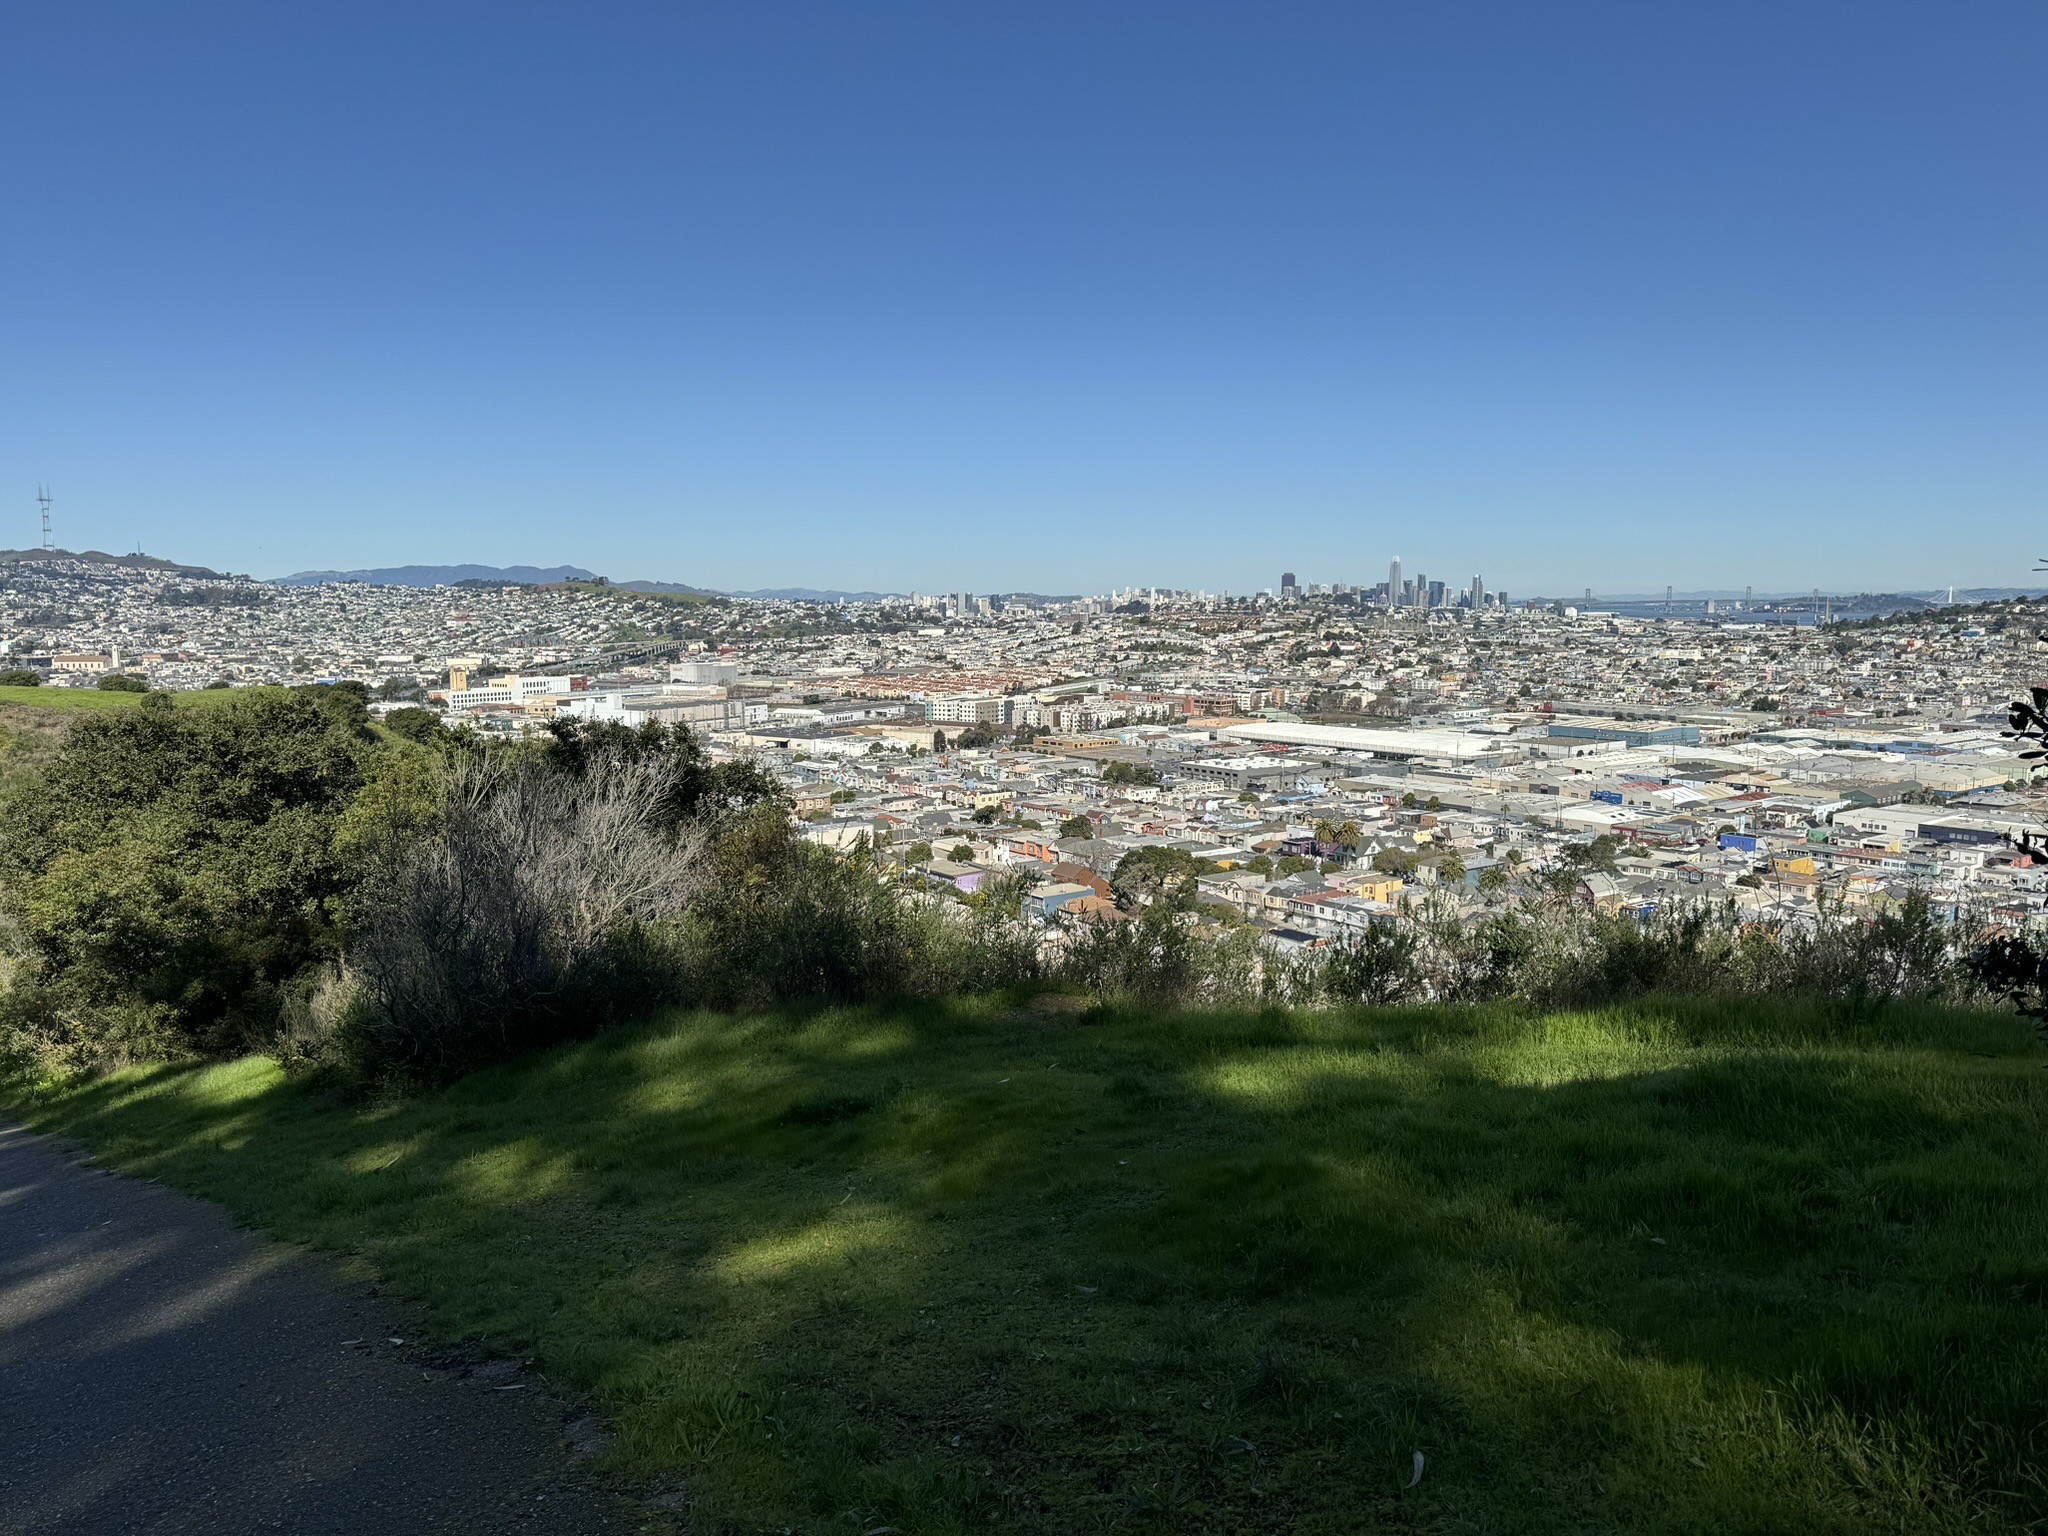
66	698
32	718
1677	1267
50	698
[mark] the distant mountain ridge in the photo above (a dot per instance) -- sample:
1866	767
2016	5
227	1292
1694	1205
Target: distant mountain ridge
440	575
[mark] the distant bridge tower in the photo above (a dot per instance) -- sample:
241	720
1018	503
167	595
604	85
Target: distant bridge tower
43	501
1667	601
1748	596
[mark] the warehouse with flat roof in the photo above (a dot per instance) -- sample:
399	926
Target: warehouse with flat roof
1454	746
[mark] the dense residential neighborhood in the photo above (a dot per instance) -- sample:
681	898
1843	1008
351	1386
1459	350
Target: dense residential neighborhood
1328	758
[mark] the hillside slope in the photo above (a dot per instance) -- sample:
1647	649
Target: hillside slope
1679	1267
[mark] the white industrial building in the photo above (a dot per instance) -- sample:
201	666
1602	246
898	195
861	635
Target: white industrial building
1456	746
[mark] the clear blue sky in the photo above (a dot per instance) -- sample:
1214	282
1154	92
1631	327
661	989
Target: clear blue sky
1035	296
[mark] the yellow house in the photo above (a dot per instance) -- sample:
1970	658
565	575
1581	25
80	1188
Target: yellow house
1376	888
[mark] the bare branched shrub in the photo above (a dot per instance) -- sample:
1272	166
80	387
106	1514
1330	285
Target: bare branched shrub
535	914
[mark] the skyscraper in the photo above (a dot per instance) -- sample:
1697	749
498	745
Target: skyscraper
1478	593
1394	583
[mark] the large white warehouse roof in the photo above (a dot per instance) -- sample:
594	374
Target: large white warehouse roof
1456	745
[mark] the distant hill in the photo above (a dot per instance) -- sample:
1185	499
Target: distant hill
101	557
666	589
813	595
555	575
442	576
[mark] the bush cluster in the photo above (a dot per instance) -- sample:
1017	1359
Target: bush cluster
1552	952
165	874
278	873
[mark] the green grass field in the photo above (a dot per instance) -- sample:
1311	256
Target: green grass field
97	698
68	698
1675	1267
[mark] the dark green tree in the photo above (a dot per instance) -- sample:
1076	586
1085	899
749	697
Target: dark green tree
167	872
1156	877
417	725
1597	856
698	786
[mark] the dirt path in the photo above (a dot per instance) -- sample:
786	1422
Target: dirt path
162	1371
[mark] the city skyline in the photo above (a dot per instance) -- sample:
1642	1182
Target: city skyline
1449	591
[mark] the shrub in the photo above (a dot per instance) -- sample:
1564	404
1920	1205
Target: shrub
781	920
421	726
321	1008
1381	965
999	949
120	682
694	786
164	873
536	914
1156	876
20	677
1710	948
2014	969
1163	959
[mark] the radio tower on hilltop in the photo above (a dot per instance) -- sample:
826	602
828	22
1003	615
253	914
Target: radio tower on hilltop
43	501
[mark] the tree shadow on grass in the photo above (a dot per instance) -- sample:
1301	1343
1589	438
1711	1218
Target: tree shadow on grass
1667	1269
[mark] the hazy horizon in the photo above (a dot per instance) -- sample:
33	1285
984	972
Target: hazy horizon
909	296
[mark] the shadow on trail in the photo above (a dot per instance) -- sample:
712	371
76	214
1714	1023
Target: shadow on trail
161	1371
